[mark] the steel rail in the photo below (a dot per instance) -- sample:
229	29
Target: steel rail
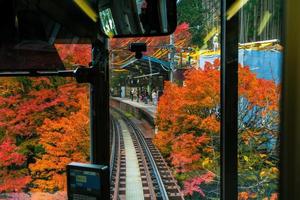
113	145
115	161
145	164
140	137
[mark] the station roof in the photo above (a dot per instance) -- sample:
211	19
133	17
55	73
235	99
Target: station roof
147	65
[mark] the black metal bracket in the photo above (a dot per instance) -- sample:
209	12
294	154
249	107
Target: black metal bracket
138	48
87	75
82	74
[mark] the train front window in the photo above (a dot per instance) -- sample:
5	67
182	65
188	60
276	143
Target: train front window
173	91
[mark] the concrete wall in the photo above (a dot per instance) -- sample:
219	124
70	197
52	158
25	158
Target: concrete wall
136	112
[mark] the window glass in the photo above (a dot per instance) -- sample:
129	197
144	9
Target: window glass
183	70
44	125
260	63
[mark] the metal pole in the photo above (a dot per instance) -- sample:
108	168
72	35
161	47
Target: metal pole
229	103
99	110
150	79
172	56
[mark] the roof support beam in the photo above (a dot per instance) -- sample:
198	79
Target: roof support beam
147	75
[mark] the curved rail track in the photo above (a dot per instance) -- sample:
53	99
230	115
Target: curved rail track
157	179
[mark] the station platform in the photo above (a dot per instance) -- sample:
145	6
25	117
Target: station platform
149	108
142	114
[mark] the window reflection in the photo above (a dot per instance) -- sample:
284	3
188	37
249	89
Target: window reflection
108	23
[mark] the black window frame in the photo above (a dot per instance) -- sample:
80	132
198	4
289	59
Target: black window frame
229	103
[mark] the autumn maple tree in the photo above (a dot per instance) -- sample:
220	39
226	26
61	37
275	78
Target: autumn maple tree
12	179
65	140
26	115
188	121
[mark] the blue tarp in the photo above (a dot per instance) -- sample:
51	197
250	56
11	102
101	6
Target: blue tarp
266	64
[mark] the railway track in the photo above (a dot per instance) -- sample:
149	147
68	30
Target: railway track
157	179
117	161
